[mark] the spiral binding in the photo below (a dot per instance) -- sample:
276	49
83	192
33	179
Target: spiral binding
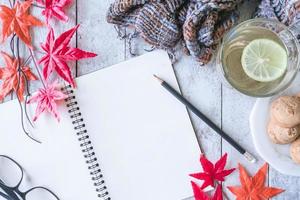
85	143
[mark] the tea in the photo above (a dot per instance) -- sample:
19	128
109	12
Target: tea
231	60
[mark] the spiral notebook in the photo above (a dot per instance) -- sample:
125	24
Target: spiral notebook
121	137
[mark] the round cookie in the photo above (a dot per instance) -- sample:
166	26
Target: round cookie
295	151
282	135
286	111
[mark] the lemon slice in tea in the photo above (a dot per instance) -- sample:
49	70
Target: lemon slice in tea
264	60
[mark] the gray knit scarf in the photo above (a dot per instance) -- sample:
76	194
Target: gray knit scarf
198	24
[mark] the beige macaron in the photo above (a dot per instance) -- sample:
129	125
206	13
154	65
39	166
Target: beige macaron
286	111
295	151
282	135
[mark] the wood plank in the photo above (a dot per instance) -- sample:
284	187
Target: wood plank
96	35
201	87
289	183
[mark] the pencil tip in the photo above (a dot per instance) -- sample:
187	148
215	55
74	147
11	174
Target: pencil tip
157	78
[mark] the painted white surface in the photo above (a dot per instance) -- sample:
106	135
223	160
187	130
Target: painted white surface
201	85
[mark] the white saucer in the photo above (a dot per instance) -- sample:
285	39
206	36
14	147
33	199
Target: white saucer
277	156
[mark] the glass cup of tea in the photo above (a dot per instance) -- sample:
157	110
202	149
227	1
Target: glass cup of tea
260	57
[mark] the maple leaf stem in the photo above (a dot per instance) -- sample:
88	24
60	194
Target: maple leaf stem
12	44
27	61
10	3
18	50
22	123
37	68
35	5
27	95
21	73
38	6
24	111
225	197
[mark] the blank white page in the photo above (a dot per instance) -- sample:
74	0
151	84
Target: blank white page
141	134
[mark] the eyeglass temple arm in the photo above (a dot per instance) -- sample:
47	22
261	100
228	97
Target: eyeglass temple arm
5	196
10	195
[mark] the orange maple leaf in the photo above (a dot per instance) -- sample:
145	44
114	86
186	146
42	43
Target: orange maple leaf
13	80
18	20
253	188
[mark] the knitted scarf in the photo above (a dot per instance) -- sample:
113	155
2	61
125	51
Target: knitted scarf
285	11
199	24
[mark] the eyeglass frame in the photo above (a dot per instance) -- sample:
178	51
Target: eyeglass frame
13	193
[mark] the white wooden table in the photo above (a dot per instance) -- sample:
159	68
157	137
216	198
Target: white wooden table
201	85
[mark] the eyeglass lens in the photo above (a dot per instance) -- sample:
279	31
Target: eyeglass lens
40	193
10	172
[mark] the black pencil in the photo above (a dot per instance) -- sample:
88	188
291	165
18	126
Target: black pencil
238	147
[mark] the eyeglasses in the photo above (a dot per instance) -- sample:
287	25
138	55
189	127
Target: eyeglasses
11	177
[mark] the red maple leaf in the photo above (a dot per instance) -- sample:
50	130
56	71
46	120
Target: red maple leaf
253	188
17	20
47	99
200	195
58	52
212	173
13	79
55	8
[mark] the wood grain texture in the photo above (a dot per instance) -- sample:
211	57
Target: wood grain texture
201	85
96	35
